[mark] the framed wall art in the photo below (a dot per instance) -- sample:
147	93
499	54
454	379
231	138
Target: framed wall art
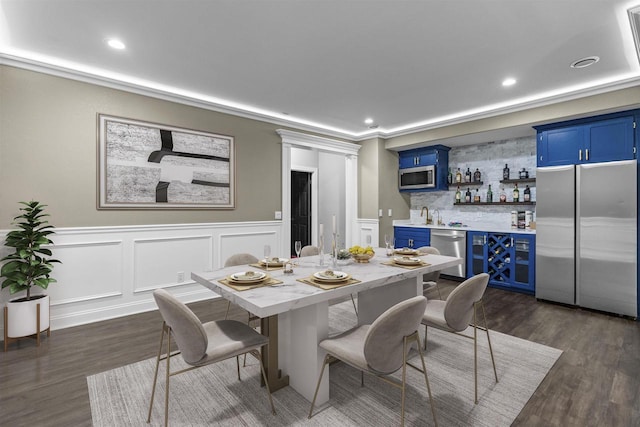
150	166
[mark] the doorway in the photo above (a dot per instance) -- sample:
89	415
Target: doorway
300	208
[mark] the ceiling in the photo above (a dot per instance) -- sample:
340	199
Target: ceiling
326	65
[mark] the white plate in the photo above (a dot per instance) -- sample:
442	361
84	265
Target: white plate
406	251
331	276
405	260
247	277
275	262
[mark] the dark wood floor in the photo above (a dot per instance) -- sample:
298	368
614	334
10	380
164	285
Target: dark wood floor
596	381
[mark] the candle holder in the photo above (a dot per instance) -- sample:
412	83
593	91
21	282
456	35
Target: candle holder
321	247
334	251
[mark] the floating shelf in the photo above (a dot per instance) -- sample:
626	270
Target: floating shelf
462	184
493	203
516	181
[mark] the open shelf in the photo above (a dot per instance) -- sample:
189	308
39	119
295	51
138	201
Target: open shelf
463	184
517	181
493	203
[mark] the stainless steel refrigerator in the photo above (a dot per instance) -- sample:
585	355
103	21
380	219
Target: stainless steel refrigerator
586	238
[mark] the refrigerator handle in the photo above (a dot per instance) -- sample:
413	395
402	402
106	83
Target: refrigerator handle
580	154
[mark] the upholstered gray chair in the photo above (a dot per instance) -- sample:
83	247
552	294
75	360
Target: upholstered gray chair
456	313
309	251
430	279
239	259
201	344
382	347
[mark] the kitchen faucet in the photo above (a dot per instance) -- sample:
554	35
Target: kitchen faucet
427	220
439	221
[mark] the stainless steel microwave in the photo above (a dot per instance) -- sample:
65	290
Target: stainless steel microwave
417	178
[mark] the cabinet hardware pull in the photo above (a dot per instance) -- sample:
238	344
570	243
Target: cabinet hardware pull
580	154
485	240
586	153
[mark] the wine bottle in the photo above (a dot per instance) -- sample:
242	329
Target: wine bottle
476	197
505	172
458	176
458	195
467	196
503	195
523	174
516	193
527	194
489	195
477	176
467	175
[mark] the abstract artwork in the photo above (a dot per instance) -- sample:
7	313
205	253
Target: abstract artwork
146	165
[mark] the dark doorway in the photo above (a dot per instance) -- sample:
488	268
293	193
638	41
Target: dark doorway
300	208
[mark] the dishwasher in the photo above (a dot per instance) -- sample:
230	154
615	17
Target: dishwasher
451	243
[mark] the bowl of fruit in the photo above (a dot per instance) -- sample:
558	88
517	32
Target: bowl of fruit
361	254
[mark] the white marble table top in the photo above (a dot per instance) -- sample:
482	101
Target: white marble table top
291	294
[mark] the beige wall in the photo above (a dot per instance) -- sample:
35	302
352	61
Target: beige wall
48	151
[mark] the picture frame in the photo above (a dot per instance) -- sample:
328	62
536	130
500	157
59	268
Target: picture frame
144	165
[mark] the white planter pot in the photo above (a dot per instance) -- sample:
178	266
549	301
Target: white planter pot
22	318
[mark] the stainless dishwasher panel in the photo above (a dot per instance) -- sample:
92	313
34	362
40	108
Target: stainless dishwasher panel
451	243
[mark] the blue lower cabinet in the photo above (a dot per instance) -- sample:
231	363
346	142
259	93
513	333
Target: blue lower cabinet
411	237
508	258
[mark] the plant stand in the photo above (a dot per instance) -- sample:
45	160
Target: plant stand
36	336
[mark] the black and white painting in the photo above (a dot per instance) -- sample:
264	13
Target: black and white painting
146	165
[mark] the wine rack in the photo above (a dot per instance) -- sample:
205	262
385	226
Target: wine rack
508	258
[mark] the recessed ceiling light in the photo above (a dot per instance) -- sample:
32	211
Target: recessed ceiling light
508	82
368	121
116	44
585	62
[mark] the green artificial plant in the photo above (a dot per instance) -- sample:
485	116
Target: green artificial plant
28	266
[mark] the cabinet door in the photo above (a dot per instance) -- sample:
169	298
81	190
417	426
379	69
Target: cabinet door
476	253
500	268
524	260
560	146
407	159
609	140
426	158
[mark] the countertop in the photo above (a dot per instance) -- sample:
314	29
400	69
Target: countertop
492	228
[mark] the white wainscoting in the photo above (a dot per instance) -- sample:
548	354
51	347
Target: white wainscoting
108	272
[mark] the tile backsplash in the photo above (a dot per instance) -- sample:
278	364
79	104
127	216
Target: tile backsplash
490	159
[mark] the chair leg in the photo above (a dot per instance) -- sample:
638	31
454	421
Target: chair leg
438	289
226	314
155	375
404	378
238	365
313	402
255	354
486	327
361	378
426	380
425	337
167	375
475	353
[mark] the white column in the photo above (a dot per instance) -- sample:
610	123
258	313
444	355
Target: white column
285	241
351	198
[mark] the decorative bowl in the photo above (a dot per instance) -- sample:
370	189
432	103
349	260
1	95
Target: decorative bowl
361	258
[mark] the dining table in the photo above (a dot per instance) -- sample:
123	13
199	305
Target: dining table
293	307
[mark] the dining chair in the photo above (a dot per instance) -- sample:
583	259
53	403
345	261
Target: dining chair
310	250
430	279
239	259
201	344
381	348
456	313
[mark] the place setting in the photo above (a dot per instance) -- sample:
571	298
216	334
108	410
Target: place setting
329	279
246	280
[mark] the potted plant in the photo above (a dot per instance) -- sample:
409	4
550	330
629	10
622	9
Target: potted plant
29	265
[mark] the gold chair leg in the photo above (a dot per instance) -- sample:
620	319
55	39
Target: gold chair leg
425	337
426	380
475	353
238	365
155	375
438	289
255	354
404	378
315	395
167	374
486	326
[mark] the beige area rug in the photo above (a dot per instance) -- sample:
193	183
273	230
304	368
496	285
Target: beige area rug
213	396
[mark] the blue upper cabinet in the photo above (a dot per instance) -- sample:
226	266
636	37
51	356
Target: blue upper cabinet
437	156
593	140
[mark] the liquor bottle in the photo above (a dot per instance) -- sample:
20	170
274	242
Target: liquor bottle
477	176
489	195
450	178
503	195
476	197
458	176
524	174
458	195
467	175
467	196
516	193
505	172
527	194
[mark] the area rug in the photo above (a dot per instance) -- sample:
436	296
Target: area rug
213	395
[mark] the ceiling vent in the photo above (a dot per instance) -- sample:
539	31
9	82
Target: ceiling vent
585	62
634	17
